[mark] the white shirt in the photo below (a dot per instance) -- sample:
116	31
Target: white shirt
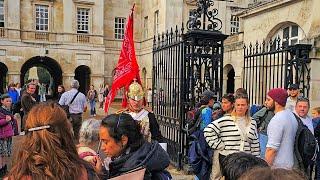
290	105
307	121
77	105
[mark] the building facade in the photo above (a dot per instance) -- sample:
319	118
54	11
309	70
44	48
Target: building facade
82	38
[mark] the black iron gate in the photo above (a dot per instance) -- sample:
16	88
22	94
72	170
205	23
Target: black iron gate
184	65
272	65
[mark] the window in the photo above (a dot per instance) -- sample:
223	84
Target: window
234	24
288	35
156	22
83	20
42	18
1	13
119	24
145	27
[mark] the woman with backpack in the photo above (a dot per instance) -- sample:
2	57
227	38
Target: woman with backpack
232	133
123	142
92	96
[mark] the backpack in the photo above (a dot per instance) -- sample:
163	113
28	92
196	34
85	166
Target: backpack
200	155
305	146
255	108
193	120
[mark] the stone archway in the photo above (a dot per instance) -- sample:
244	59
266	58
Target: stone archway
229	78
3	77
82	74
51	65
230	81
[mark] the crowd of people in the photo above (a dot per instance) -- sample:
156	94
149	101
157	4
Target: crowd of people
231	140
277	134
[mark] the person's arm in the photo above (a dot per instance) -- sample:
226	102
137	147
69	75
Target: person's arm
154	128
254	145
206	117
27	103
3	120
275	133
212	136
270	155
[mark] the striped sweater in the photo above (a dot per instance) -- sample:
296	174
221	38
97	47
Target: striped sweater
223	134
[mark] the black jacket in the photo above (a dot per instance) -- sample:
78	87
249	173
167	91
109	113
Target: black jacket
149	155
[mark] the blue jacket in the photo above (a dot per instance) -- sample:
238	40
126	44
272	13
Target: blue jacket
206	116
14	95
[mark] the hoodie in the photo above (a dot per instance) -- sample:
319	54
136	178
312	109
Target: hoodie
150	155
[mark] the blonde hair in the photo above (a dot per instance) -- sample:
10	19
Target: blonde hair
317	109
247	115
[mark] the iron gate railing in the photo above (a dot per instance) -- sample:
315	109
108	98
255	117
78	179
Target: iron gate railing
168	54
271	65
184	65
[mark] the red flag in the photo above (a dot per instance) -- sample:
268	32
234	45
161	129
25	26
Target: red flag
127	68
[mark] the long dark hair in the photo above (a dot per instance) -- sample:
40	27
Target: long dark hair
49	153
123	124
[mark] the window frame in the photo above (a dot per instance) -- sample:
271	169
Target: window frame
234	24
119	27
156	23
4	14
81	31
288	41
46	18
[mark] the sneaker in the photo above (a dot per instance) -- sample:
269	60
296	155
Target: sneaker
94	115
22	133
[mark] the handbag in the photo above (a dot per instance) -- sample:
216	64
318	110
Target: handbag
66	107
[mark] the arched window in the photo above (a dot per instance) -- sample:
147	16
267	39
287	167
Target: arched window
289	34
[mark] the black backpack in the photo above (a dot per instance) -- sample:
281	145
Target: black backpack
305	146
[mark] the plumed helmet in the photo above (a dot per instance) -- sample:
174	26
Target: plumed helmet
135	91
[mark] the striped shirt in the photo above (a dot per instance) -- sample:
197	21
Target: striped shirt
77	105
223	134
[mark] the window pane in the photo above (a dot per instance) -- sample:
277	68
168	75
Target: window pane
286	33
119	25
42	16
83	20
294	31
294	41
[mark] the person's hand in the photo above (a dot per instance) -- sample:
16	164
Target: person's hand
97	163
8	118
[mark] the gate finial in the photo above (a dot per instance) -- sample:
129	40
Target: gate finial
209	22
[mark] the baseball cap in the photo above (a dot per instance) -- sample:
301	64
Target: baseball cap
293	86
208	93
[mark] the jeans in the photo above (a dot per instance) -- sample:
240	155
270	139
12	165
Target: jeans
263	139
92	107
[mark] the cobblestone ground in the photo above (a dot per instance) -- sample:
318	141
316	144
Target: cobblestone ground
177	175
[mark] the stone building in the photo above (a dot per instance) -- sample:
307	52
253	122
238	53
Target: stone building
82	38
293	21
65	37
